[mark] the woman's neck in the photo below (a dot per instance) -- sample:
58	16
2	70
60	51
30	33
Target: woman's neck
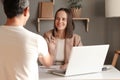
61	34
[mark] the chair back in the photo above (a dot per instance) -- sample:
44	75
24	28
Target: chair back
115	58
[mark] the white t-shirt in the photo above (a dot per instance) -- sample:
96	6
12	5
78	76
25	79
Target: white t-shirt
19	51
60	50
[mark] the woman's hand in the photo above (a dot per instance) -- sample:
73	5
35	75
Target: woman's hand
51	44
64	66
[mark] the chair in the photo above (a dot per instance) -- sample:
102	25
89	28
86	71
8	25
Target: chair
115	58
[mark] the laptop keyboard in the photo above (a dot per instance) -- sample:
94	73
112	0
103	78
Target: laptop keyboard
58	71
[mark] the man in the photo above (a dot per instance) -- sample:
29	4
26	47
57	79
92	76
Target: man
19	48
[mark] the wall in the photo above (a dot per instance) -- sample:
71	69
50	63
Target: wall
101	30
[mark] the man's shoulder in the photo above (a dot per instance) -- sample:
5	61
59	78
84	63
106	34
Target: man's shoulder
34	34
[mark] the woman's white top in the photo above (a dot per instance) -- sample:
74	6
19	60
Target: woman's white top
60	50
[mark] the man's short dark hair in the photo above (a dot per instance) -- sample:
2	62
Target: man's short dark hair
13	8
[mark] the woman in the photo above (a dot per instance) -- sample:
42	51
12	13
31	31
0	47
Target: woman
61	39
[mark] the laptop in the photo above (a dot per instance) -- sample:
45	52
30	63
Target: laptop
85	60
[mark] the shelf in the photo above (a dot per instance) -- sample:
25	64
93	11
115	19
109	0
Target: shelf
84	20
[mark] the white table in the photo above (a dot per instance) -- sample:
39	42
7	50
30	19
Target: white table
110	74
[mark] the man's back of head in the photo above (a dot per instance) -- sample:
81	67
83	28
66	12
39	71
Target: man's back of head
14	8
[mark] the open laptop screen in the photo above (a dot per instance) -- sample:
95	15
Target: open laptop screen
86	59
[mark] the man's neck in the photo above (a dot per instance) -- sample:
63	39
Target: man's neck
14	22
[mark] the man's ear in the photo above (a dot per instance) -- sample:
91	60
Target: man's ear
26	11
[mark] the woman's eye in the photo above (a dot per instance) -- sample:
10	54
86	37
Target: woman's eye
64	19
57	18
